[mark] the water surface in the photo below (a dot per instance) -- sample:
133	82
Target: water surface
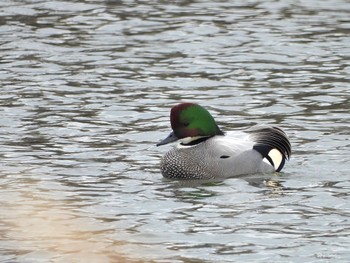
86	89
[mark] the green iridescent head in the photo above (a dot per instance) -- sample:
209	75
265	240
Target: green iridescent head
191	120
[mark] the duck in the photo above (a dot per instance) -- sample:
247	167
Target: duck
204	151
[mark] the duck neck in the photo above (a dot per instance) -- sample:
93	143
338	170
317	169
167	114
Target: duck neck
191	141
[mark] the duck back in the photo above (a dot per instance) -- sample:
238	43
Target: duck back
217	157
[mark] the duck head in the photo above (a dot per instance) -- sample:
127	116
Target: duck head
189	120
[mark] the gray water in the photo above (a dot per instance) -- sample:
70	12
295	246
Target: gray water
86	89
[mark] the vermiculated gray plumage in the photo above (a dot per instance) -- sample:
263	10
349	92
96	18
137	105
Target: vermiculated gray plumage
227	155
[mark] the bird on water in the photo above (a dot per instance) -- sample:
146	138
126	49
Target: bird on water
203	151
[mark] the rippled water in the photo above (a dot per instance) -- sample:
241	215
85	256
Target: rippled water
86	89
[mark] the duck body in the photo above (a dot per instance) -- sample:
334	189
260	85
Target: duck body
205	155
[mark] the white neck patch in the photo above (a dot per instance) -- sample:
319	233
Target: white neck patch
182	143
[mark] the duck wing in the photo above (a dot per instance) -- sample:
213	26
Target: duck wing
272	143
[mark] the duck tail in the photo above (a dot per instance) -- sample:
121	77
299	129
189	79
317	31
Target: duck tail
272	143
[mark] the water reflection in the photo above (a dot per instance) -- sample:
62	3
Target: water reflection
40	229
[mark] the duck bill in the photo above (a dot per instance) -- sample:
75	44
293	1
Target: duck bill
171	138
